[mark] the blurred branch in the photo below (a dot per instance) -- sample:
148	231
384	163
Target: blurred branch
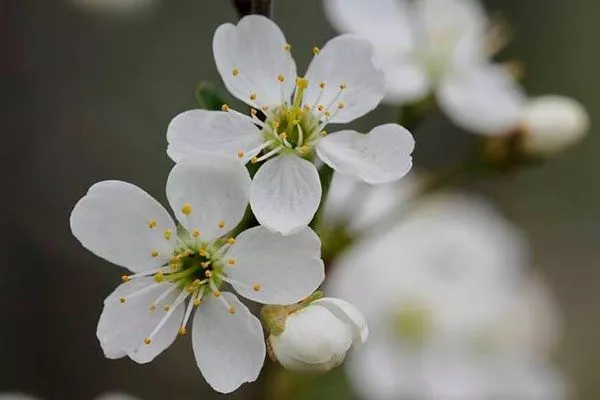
247	7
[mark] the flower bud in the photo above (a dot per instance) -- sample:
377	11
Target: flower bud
316	337
552	123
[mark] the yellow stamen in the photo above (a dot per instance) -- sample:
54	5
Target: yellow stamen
195	233
322	85
147	341
287	47
240	154
231	262
341	105
302	83
186	209
154	253
280	78
217	293
168	233
257	287
231	241
343	86
316	50
231	310
182	331
125	278
221	224
122	299
152	224
208	274
197	301
323	133
253	96
320	107
158	277
225	107
167	308
235	72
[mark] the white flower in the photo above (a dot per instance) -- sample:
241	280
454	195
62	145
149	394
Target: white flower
552	123
436	46
317	337
123	224
341	84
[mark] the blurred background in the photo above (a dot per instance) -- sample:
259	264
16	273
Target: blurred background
88	96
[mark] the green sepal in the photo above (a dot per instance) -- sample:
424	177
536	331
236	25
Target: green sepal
208	97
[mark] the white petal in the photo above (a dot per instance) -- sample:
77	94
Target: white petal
387	25
405	81
215	187
348	314
348	60
256	49
217	132
452	18
484	100
380	156
287	268
285	194
229	348
115	221
124	326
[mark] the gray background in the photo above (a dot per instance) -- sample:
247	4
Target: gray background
87	98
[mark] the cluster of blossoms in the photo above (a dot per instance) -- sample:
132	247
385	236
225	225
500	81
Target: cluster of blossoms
191	264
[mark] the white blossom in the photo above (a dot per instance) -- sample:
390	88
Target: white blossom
318	336
340	85
440	47
124	225
552	123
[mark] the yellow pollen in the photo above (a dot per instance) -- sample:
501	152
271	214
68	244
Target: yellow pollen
147	341
167	307
253	96
275	124
217	293
152	224
320	107
254	160
154	253
197	282
322	85
198	301
168	233
182	331
208	274
122	299
341	105
225	107
231	310
204	264
265	108
287	47
240	154
295	122
203	253
186	209
231	261
327	114
323	133
316	50
343	86
235	72
159	277
221	224
195	233
257	287
125	278
283	136
152	307
303	149
280	78
231	241
302	83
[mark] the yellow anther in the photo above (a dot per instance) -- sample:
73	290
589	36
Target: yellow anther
327	114
316	50
168	233
122	299
304	149
225	107
204	264
125	278
186	209
197	301
231	262
240	154
295	122
148	341
322	85
257	287
302	83
280	78
283	136
203	253
208	274
221	224
323	133
158	277
254	160
167	308
235	72
217	293
343	86
154	253
197	282
152	307
152	224
287	47
231	310
195	233
341	105
275	124
231	241
182	331
252	96
265	108
320	107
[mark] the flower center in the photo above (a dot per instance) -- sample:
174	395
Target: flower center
412	324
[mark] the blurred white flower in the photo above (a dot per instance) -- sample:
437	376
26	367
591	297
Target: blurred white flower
118	7
123	224
450	314
552	123
440	47
341	84
318	336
